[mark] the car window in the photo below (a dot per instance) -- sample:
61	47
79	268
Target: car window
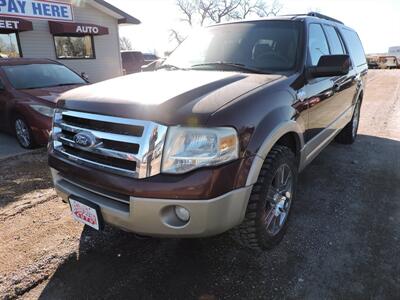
268	46
334	40
317	44
355	47
40	75
149	57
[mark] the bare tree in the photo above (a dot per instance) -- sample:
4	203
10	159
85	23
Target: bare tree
223	9
188	10
203	10
174	35
125	43
264	10
200	12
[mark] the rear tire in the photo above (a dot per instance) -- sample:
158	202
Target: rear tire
23	132
348	134
270	203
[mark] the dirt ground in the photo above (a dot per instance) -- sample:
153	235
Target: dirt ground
343	240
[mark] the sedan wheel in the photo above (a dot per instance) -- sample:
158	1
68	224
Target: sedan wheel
23	133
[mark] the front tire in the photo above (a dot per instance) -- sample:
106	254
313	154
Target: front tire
270	202
348	134
23	133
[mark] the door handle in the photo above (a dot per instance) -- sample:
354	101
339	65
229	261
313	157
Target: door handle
336	87
301	95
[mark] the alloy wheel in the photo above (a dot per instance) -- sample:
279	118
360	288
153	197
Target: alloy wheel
279	200
356	120
23	133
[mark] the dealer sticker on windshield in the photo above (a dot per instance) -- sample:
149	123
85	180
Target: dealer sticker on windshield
84	214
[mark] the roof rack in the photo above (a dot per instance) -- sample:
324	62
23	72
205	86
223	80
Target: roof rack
321	16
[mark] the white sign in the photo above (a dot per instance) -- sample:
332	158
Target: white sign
7	24
41	9
87	29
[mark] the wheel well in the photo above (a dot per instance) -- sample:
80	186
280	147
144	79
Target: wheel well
292	141
11	117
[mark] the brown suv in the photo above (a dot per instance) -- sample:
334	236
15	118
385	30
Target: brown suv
29	89
218	140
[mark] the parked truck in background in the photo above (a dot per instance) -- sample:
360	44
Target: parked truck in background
387	62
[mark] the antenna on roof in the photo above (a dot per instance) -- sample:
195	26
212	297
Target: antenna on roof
321	16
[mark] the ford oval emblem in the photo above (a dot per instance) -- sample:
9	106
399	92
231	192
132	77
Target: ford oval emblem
85	139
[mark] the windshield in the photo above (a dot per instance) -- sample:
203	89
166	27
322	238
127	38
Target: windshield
40	75
269	46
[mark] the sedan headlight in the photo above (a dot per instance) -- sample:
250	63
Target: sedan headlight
191	148
43	110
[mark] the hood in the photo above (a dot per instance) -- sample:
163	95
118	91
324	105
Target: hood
49	94
168	97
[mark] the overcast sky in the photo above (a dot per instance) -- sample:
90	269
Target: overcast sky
376	21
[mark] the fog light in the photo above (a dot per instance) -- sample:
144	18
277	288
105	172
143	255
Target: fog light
182	213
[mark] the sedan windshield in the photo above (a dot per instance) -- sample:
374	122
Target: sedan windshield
35	76
259	46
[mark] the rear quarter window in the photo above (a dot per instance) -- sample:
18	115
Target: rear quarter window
333	40
354	46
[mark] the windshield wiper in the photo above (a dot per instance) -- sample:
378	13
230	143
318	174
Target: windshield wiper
47	86
64	84
169	67
236	66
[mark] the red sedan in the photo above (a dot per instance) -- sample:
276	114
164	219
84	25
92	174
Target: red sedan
29	89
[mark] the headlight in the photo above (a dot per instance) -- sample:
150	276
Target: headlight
190	148
43	110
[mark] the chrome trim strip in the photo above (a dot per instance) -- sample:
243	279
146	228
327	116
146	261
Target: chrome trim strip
101	134
96	165
100	150
105	118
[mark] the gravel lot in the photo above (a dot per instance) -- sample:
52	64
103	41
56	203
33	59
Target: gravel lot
9	146
343	241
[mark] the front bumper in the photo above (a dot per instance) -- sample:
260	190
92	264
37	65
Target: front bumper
155	217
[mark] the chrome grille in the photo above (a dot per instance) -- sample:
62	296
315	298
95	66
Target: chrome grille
117	145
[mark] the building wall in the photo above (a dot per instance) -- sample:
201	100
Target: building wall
395	51
39	43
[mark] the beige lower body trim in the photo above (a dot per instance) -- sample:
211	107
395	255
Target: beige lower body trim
156	217
314	147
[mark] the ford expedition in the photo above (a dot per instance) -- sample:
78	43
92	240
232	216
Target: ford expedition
215	138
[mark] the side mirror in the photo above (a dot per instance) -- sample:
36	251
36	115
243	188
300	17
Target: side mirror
85	76
330	66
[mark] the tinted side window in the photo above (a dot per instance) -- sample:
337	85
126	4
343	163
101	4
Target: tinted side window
317	44
354	46
334	40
